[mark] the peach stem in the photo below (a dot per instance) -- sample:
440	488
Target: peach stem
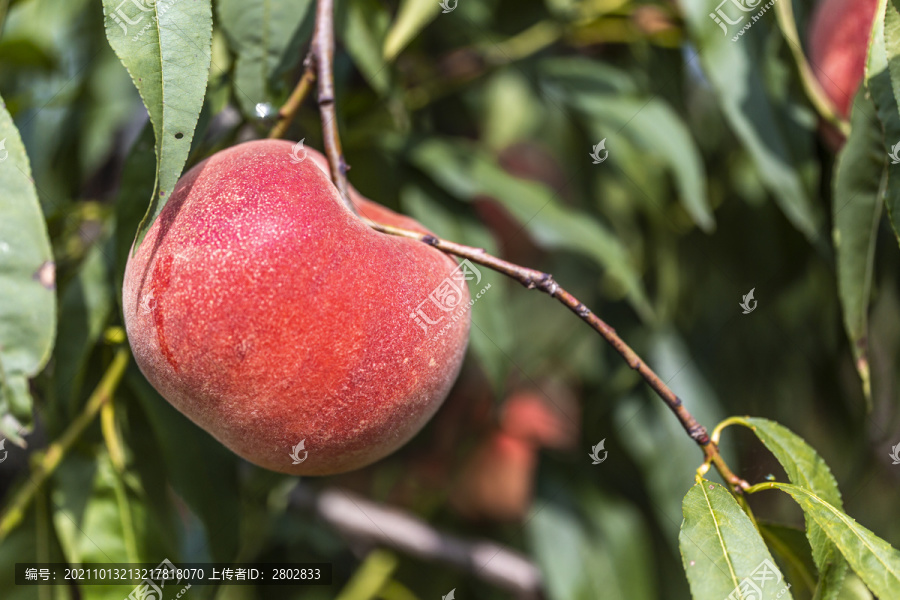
322	51
288	112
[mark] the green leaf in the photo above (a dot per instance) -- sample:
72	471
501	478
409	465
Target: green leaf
737	73
804	467
166	50
859	184
872	558
33	540
363	32
259	32
722	551
512	112
27	283
85	308
466	172
881	65
596	549
411	19
211	492
612	108
791	549
854	589
98	518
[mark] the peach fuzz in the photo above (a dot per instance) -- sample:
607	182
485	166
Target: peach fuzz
265	311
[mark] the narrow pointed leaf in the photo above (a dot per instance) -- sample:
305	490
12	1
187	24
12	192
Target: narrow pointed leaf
804	467
412	17
883	60
765	125
723	553
166	48
859	184
873	559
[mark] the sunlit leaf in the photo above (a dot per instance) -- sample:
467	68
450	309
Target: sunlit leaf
166	48
411	18
804	467
722	550
872	558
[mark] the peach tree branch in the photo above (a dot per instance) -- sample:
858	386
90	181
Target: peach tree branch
323	52
533	279
368	521
288	111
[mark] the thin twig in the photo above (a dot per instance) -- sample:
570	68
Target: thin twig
323	51
533	279
56	451
287	112
362	519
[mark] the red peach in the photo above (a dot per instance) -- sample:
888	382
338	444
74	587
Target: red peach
838	43
265	311
497	481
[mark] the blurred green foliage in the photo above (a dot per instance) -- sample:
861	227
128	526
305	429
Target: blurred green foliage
480	123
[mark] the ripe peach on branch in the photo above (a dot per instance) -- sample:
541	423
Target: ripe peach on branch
268	313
